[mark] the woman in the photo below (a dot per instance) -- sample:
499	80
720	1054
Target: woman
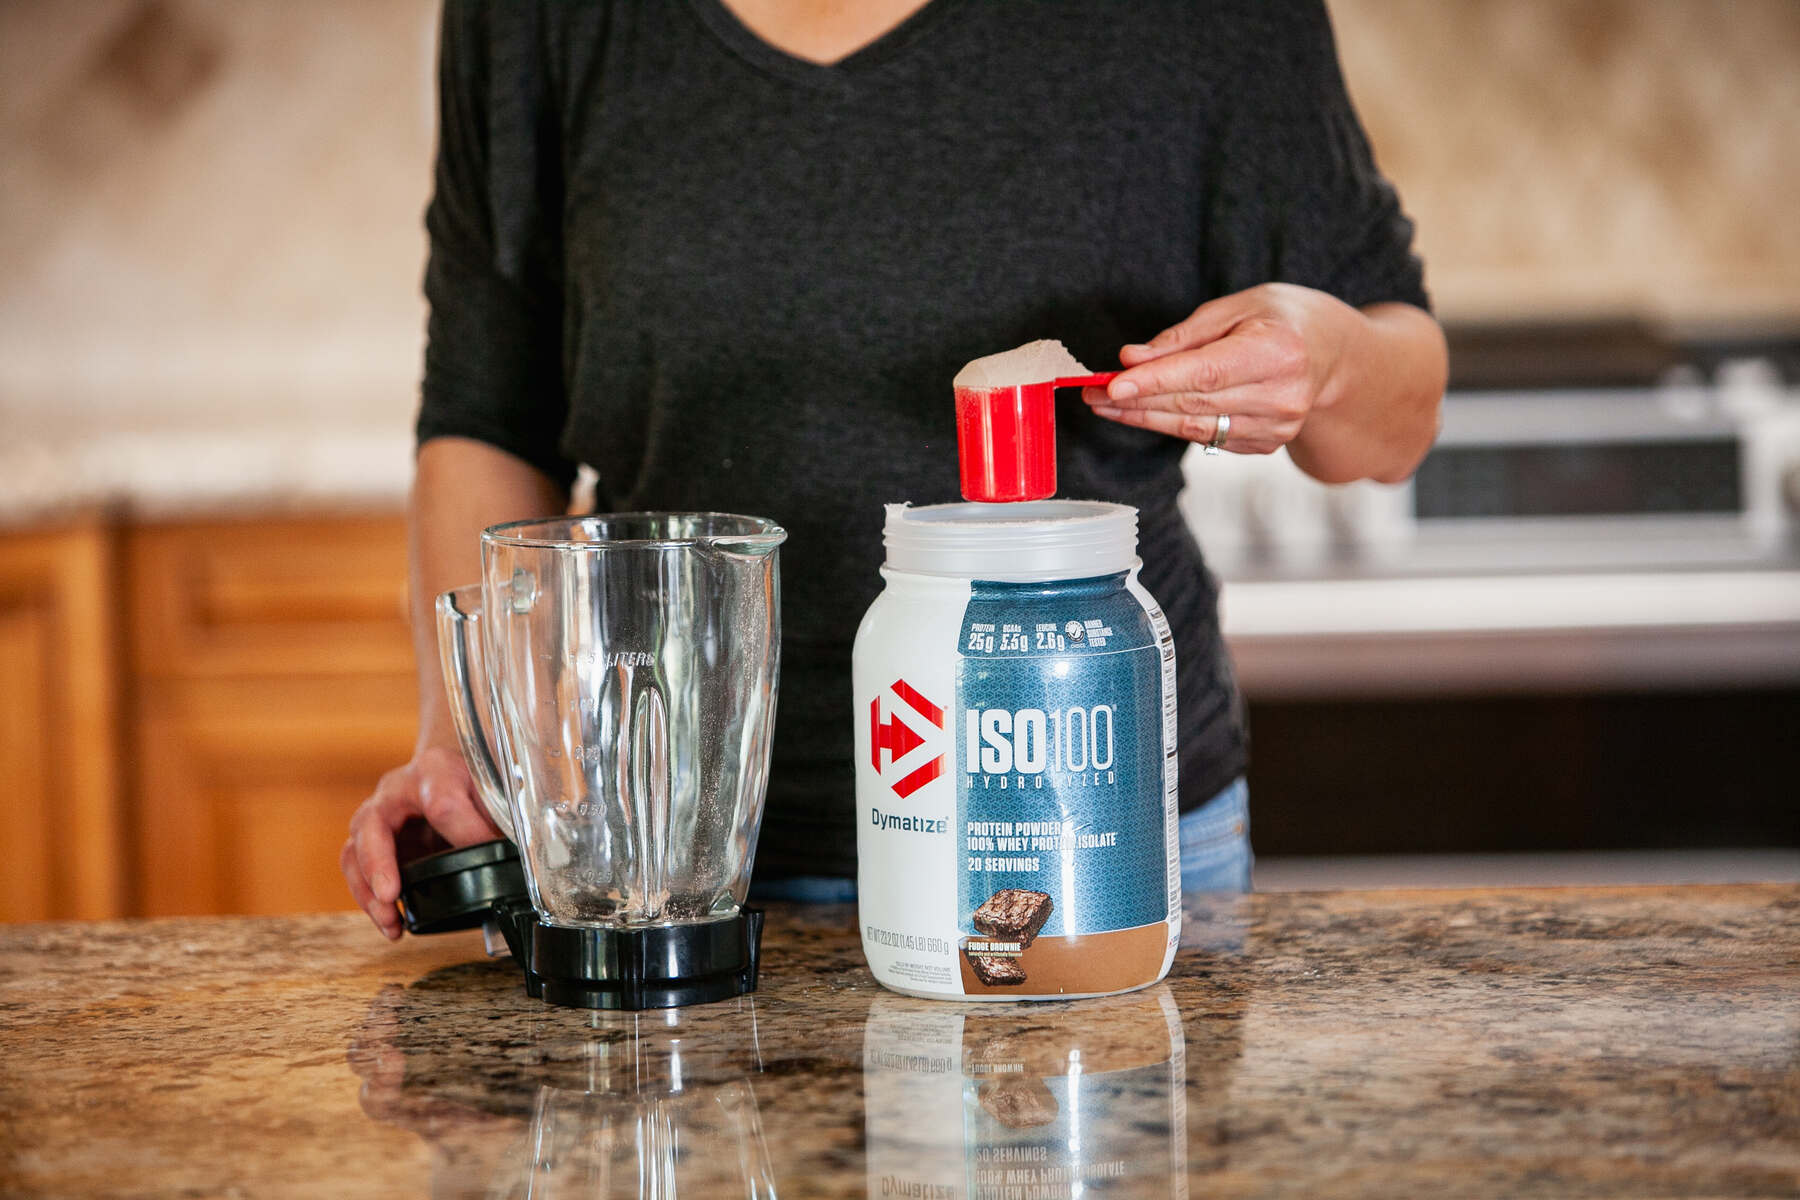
730	253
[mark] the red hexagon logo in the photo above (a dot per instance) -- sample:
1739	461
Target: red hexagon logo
899	736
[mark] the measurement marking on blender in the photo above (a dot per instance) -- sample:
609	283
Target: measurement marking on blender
608	659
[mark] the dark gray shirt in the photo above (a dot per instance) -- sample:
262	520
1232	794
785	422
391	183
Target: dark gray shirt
730	279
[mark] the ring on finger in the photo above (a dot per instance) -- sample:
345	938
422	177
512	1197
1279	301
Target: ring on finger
1221	431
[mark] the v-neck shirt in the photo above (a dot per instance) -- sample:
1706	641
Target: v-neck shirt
759	53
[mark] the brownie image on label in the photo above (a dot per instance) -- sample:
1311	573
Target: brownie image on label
1019	1103
1014	914
996	970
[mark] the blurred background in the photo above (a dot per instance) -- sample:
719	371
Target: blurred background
1568	651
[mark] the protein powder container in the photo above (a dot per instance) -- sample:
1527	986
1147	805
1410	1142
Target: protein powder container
1015	756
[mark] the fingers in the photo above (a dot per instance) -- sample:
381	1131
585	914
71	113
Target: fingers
1191	428
434	787
385	916
1253	352
372	832
1244	398
1208	323
1247	434
1264	417
369	862
1255	368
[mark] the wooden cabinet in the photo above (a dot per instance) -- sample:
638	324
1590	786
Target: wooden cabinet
192	710
59	725
272	685
246	786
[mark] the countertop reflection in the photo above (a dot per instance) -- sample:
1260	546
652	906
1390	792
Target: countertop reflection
1628	1042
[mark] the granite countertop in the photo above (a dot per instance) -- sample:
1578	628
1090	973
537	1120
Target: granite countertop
1557	1042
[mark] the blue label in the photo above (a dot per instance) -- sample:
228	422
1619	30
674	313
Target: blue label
1060	744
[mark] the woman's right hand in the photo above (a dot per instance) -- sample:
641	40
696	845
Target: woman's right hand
429	800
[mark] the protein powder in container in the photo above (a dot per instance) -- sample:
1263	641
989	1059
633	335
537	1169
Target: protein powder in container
1015	756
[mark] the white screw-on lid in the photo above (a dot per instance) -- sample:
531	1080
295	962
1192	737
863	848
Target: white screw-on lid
1018	543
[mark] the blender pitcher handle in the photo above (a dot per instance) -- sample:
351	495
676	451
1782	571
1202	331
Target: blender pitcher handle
461	655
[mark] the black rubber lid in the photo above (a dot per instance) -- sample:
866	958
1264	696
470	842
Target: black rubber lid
663	966
457	889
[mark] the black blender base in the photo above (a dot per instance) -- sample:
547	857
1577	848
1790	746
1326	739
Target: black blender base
662	966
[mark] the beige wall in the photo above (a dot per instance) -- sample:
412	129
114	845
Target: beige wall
211	207
1571	156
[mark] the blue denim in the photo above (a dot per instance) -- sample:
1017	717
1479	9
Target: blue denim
804	889
1215	856
1215	843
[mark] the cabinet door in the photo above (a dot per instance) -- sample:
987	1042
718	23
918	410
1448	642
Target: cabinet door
274	686
271	598
247	787
59	726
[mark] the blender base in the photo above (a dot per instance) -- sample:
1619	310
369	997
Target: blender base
659	966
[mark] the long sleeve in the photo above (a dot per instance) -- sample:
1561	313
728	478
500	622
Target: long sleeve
1298	197
494	341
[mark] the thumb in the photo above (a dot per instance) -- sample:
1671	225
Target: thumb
1208	323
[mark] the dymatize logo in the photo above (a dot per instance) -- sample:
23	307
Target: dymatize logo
908	750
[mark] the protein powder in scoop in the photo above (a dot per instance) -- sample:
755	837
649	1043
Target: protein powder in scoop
1015	756
1006	420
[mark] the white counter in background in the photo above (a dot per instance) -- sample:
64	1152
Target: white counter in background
1325	638
166	473
1593	868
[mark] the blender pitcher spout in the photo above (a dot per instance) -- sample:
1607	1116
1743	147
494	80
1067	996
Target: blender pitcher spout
461	656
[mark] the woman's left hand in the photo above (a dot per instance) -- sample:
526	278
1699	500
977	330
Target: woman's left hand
1267	357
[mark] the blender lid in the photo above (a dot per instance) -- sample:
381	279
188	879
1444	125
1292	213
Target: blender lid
457	889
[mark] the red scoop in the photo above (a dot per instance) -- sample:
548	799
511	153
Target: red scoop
1006	438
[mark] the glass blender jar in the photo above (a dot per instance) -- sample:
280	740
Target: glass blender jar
613	680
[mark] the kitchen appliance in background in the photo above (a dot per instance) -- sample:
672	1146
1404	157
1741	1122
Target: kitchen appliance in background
1577	629
614	683
1687	473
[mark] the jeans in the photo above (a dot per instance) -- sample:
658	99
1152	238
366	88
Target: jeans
1215	842
1215	856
